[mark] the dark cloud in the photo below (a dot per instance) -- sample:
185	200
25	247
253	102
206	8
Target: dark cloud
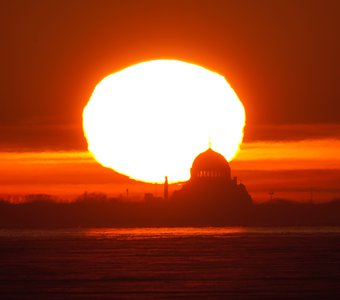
291	132
55	137
42	137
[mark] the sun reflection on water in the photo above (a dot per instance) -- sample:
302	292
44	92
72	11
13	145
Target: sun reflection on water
163	232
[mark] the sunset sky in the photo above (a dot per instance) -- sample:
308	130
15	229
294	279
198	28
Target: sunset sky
281	58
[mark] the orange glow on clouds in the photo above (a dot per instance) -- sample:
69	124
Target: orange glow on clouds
314	151
262	166
152	119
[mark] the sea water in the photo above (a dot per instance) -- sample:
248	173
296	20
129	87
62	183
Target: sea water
171	263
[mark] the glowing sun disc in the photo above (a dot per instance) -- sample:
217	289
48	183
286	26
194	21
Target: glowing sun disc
152	119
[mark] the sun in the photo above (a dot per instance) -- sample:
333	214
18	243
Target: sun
152	119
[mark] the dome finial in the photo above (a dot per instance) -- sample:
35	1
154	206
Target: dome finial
209	143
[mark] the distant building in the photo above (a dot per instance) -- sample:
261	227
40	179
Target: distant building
211	184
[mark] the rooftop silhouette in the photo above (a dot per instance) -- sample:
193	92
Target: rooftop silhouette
211	183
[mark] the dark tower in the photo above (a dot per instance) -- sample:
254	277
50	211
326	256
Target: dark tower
166	187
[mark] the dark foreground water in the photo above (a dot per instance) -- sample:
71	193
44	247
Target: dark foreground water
171	263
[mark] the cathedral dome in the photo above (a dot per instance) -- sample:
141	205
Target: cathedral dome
210	164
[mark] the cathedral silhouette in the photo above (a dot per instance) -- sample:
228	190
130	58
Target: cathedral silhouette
211	184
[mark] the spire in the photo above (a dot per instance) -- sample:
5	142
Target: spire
166	196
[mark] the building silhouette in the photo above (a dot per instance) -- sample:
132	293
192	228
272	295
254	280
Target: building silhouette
211	185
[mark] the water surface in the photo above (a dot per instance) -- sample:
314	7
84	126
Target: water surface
171	263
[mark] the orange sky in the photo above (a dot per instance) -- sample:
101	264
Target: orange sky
291	169
281	58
